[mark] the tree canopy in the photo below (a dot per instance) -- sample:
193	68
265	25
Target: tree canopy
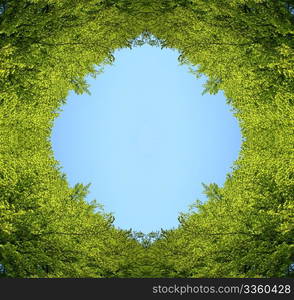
244	47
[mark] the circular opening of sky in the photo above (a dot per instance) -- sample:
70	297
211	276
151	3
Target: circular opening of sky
146	138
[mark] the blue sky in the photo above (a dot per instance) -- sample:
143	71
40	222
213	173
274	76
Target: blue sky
146	139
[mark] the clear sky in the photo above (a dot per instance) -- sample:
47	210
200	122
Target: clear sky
146	139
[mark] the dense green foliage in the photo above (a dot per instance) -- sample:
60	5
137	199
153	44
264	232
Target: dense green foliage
244	229
47	228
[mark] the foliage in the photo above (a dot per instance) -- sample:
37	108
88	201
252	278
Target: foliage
244	229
